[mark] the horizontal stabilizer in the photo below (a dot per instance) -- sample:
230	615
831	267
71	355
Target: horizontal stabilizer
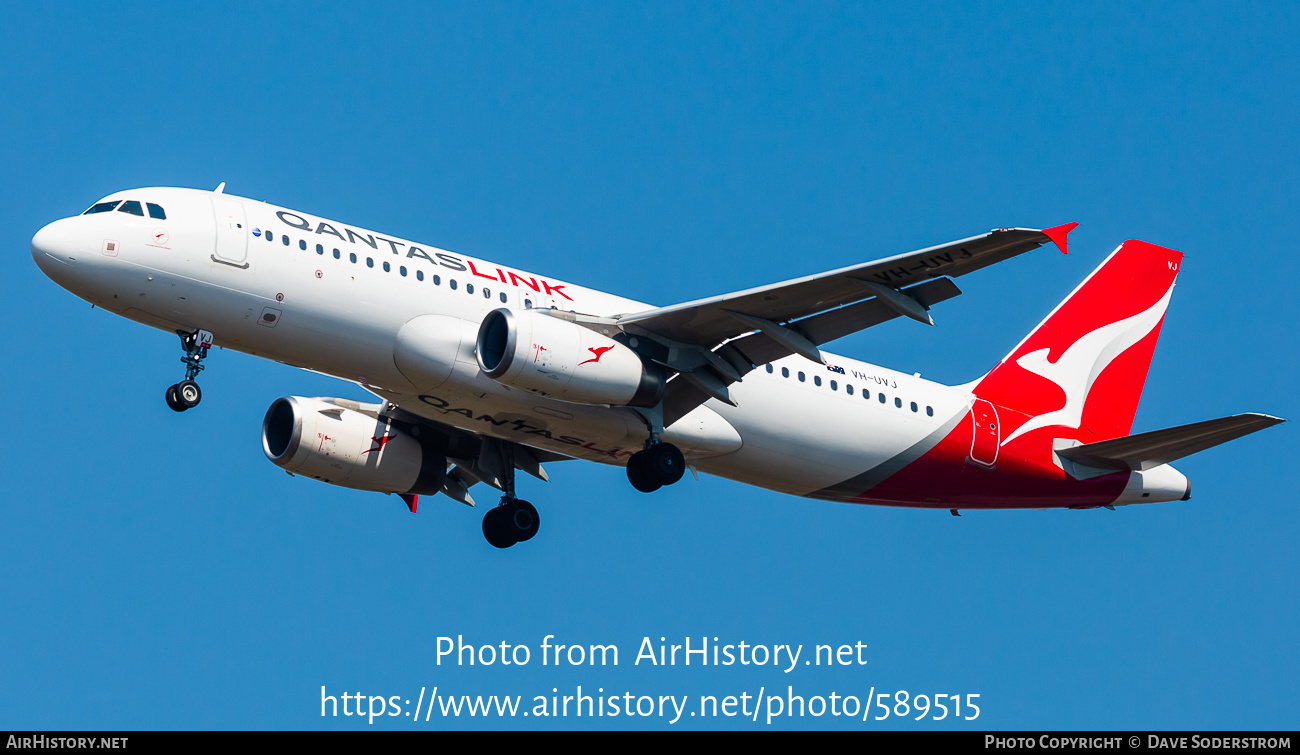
1147	450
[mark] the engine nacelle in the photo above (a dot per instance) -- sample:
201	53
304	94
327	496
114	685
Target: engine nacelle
326	441
535	352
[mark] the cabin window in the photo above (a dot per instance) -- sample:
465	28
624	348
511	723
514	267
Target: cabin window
437	280
302	244
285	239
352	256
451	283
503	297
882	397
320	249
801	377
401	270
469	288
898	402
848	388
914	408
769	369
419	274
834	386
817	380
929	411
336	254
370	261
785	372
270	236
101	207
131	207
156	212
387	268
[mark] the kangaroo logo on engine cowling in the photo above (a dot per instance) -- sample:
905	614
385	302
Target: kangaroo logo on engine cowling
599	351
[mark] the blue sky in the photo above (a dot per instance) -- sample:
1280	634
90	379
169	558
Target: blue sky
158	572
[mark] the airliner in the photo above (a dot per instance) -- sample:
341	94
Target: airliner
482	370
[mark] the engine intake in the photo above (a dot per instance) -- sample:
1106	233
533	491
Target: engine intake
325	440
533	351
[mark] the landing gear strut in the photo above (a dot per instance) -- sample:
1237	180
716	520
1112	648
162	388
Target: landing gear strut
186	394
513	520
659	463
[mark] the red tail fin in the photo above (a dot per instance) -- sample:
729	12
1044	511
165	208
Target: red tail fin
1080	373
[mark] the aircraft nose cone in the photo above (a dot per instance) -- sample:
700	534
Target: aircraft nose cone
41	242
54	248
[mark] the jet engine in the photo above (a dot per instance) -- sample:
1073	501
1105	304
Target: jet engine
536	352
339	442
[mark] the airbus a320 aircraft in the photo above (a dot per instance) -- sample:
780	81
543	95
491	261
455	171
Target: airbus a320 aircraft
484	369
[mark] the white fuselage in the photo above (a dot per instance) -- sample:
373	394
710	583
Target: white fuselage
307	303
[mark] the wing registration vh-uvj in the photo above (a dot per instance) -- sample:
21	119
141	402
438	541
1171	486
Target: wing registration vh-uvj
482	370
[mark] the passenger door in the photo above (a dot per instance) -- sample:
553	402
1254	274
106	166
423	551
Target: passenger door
984	443
232	237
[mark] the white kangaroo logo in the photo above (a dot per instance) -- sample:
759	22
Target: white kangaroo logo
1080	365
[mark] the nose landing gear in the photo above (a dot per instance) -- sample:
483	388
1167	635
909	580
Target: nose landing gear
186	394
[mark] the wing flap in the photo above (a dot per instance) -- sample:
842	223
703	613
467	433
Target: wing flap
757	348
840	322
837	323
1147	450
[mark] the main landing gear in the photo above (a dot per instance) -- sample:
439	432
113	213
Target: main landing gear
186	394
658	465
513	520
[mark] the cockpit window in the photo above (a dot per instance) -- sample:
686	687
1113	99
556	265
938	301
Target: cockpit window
132	207
156	212
102	207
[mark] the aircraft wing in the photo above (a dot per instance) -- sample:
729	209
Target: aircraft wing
714	342
710	321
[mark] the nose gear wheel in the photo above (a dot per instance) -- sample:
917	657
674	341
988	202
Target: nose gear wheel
186	394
